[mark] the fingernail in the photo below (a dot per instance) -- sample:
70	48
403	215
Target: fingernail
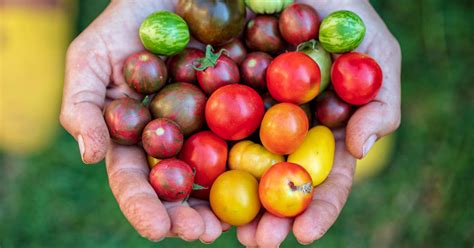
204	242
368	145
82	149
304	243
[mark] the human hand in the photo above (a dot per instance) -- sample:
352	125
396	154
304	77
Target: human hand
93	79
370	122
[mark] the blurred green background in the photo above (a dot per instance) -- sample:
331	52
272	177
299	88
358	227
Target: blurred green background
421	199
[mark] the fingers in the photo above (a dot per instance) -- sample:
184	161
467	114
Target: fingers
328	199
246	233
186	222
272	230
212	225
128	179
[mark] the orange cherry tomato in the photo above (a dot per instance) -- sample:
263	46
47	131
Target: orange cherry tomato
283	128
285	189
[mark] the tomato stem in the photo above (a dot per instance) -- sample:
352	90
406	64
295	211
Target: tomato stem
306	188
198	187
311	44
209	60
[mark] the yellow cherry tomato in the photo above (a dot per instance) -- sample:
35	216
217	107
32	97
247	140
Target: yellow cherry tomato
152	161
234	197
316	154
253	158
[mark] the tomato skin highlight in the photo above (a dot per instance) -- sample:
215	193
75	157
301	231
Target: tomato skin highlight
172	179
356	78
234	197
299	23
285	189
234	112
283	128
293	77
207	154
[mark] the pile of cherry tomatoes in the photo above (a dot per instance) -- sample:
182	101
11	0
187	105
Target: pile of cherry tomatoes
247	122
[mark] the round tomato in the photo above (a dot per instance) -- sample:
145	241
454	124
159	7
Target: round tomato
331	111
216	70
314	49
262	34
207	155
285	189
299	23
252	157
356	78
316	154
341	31
172	179
234	111
180	66
283	128
234	197
293	77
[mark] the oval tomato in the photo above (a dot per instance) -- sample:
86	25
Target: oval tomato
164	33
213	22
207	154
316	154
283	128
216	70
234	197
356	78
285	189
252	157
293	77
234	112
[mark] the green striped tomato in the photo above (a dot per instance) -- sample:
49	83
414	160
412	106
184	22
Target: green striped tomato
164	33
341	31
267	6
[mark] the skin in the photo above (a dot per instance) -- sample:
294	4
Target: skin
94	77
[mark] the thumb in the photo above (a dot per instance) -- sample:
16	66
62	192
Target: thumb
369	123
83	98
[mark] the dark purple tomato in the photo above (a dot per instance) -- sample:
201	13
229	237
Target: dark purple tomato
268	101
172	179
235	50
216	70
299	23
213	22
181	67
331	111
262	34
182	103
253	70
125	119
162	138
145	73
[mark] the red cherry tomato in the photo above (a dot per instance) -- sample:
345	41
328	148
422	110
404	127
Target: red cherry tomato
207	154
172	179
299	23
234	112
216	70
356	78
293	77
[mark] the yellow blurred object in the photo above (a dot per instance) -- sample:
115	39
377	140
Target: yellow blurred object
152	161
377	158
33	42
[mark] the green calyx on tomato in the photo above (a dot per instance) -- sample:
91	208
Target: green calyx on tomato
209	59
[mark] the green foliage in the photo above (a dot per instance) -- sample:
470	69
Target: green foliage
421	200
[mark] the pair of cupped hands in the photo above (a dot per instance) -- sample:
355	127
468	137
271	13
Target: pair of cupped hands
94	78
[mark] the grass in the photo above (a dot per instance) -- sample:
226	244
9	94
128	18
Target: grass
422	199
